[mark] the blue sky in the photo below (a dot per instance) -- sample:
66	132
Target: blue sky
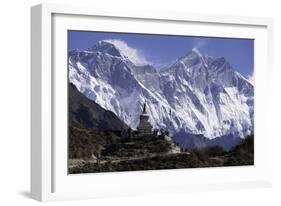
163	50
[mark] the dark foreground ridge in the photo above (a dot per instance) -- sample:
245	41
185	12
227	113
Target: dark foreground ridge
114	154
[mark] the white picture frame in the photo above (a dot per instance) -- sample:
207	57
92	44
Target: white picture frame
49	179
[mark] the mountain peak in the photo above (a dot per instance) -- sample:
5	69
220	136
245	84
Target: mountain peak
196	51
120	48
191	58
106	47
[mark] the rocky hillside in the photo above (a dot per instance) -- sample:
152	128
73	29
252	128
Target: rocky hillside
85	113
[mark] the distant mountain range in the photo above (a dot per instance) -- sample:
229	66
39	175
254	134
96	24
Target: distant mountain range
199	99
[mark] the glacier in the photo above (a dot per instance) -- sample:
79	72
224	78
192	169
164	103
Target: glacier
198	95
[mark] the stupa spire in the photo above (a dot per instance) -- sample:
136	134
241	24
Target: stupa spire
144	127
144	107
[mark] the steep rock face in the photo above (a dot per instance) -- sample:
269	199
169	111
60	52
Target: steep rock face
198	94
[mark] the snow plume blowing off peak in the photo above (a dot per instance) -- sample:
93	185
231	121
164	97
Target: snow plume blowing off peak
134	55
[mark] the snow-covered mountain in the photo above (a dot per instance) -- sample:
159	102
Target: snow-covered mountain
198	94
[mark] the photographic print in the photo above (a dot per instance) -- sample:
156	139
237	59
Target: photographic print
150	102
